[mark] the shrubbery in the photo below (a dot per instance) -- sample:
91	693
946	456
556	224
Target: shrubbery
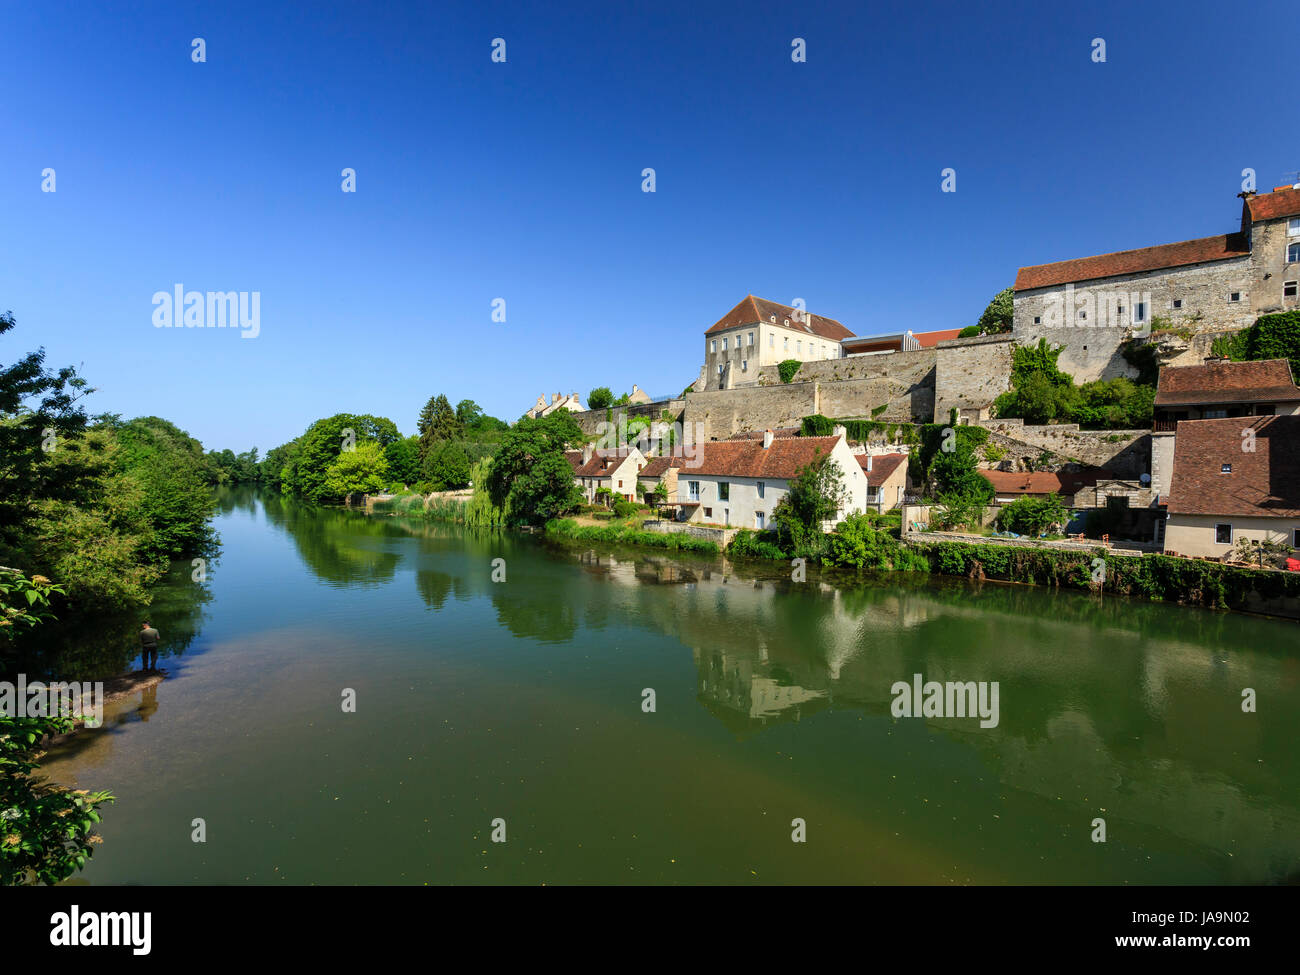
629	535
1033	516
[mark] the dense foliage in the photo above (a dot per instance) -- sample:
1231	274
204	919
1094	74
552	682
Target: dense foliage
530	479
600	398
629	534
787	369
1271	337
1033	516
815	496
860	431
1041	393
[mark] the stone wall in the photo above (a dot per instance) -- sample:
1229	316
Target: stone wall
970	374
859	398
721	536
906	368
716	414
1091	344
1127	453
590	420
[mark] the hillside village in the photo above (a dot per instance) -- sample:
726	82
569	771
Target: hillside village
1215	471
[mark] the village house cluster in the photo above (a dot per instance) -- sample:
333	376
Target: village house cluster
1220	466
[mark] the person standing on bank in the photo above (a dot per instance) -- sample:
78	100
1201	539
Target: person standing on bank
148	646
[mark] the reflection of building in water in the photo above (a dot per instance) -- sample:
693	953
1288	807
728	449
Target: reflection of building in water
746	687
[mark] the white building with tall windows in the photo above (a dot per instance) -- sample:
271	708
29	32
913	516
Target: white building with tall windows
758	333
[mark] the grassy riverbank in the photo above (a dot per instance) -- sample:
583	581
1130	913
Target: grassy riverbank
628	533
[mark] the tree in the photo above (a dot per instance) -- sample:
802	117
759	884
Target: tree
362	470
816	495
468	413
600	398
446	465
530	478
403	458
1033	516
999	314
438	421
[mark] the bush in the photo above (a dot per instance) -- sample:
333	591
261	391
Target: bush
857	543
568	528
625	509
788	368
968	331
755	545
1033	516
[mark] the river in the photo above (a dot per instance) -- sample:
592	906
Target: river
522	701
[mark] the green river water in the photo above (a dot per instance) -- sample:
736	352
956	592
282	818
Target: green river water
521	700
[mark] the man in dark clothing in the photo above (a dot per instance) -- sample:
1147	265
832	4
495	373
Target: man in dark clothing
148	646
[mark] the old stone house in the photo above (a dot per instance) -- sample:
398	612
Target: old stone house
1229	485
558	402
1092	305
758	333
738	483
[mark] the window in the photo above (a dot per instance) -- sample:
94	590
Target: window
771	341
620	482
1225	468
760	521
1235	296
1038	319
744	365
1295	538
1119	309
1213	414
1223	534
786	345
1083	313
708	512
724	490
724	345
1293	227
1293	253
713	346
1178	302
750	341
719	368
1140	312
798	347
761	488
693	490
1289	289
726	516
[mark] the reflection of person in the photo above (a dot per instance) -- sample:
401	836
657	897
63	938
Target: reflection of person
148	647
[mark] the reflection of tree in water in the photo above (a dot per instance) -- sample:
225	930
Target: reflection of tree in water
434	587
241	497
76	649
327	540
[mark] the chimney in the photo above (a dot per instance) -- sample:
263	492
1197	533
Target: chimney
767	439
586	452
634	389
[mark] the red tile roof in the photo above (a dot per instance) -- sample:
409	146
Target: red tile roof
603	463
1264	381
574	457
882	466
754	310
658	466
929	339
1044	482
1264	482
749	458
1282	202
1156	258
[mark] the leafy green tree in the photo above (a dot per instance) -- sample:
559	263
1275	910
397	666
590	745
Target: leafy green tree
447	465
305	466
362	470
468	413
816	495
171	469
999	314
530	478
1270	337
1033	516
600	398
403	458
787	369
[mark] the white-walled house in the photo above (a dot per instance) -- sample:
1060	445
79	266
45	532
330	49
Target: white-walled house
614	469
738	483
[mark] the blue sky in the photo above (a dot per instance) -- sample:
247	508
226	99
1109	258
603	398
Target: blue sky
522	180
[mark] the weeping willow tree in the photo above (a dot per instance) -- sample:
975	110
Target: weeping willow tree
480	512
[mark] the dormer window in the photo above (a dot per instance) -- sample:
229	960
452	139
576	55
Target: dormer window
1225	468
